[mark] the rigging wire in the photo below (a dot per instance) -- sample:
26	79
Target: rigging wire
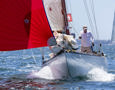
74	29
95	23
23	51
88	14
33	56
92	25
70	8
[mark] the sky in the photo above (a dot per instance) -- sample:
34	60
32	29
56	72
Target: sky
104	15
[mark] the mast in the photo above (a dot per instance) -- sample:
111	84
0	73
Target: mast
113	30
64	11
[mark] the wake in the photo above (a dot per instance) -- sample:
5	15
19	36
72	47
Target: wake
98	74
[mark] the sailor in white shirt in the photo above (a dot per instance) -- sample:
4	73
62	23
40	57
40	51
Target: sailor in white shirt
87	40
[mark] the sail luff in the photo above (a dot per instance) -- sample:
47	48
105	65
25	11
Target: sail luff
113	30
65	16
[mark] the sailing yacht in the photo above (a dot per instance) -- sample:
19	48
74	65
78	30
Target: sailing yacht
67	64
26	24
113	31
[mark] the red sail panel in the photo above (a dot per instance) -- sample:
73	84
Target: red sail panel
23	24
40	29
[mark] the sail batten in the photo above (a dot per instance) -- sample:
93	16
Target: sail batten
23	25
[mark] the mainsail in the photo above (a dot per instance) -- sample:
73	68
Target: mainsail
113	31
23	25
55	14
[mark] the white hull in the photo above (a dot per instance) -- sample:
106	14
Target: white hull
81	64
56	68
70	65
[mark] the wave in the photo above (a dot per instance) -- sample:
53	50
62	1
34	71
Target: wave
98	74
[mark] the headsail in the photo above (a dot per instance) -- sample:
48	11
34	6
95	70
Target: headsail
23	24
113	31
55	14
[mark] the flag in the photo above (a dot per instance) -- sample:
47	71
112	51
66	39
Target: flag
69	17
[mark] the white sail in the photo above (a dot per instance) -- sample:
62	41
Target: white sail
54	13
113	31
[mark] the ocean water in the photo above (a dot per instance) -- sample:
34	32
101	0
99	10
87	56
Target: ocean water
15	66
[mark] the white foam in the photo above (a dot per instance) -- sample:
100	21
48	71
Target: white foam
98	74
45	73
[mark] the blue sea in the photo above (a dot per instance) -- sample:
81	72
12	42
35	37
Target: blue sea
15	66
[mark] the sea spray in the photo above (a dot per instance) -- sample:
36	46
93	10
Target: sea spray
98	74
